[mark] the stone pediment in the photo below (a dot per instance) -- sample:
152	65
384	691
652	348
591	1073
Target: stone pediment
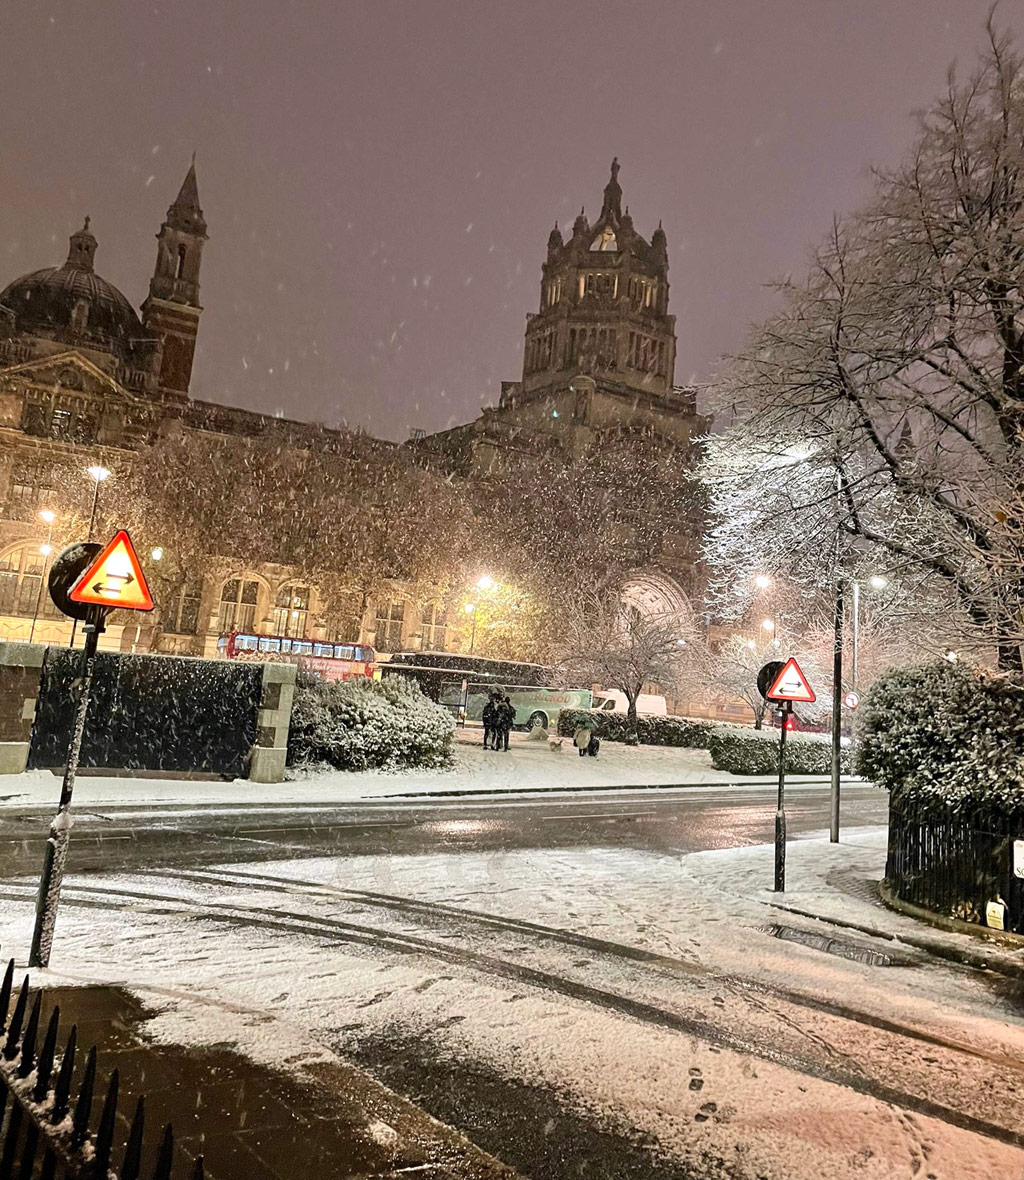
65	371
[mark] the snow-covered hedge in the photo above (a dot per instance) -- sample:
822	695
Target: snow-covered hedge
756	751
653	731
366	724
945	739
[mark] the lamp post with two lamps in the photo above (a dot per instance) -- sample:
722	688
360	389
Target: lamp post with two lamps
46	550
98	473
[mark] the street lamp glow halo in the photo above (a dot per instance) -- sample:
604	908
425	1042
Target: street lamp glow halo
470	607
878	582
48	515
486	582
768	624
157	553
762	582
99	473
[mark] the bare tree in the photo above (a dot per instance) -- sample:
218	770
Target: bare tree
879	417
612	643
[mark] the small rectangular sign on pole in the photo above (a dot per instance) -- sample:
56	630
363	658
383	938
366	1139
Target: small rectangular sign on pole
1018	858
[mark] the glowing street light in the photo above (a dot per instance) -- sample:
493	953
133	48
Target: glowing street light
877	582
48	515
763	582
157	553
768	624
486	582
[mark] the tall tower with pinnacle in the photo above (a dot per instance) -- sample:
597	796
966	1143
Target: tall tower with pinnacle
172	308
603	307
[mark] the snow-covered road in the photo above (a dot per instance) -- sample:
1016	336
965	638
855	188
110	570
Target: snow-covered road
641	992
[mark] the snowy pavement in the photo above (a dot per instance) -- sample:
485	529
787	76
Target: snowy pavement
641	992
528	766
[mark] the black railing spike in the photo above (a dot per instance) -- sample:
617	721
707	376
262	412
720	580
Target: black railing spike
12	1133
165	1156
105	1132
5	993
14	1032
46	1055
29	1151
199	1172
133	1148
62	1090
28	1041
49	1168
83	1106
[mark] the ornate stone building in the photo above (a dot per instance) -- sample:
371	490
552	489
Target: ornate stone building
598	377
85	380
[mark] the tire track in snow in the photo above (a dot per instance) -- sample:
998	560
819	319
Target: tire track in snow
331	929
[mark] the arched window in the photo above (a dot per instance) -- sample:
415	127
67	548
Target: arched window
21	580
291	611
238	599
343	620
182	255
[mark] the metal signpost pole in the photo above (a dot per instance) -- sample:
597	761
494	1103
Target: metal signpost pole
60	829
837	710
780	810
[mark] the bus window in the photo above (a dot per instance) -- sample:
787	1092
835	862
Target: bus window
270	645
302	648
246	643
344	651
324	649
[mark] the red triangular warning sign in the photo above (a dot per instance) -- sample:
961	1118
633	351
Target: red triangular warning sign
791	685
115	578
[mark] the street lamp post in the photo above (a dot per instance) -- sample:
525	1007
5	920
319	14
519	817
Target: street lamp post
471	610
49	516
98	473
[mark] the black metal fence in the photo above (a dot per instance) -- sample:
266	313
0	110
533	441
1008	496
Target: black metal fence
955	866
150	713
47	1106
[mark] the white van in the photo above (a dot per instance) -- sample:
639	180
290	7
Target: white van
611	700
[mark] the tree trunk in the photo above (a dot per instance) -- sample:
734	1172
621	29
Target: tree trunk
1010	657
632	730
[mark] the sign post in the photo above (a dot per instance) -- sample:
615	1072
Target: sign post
86	582
785	683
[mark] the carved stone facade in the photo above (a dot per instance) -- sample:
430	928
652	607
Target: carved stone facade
598	374
86	380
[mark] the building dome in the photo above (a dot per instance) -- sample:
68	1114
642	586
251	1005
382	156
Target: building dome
72	302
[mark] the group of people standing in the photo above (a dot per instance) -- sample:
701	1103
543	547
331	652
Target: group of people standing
498	717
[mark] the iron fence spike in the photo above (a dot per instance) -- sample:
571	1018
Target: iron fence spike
83	1107
28	1041
133	1148
14	1032
105	1132
165	1157
62	1090
5	993
199	1172
46	1055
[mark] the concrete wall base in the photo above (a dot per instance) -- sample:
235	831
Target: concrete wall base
13	757
267	765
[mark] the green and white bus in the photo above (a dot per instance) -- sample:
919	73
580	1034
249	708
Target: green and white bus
463	684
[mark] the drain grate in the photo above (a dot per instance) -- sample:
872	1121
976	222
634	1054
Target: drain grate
836	946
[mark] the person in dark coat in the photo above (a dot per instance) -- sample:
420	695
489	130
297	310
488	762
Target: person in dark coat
490	720
506	719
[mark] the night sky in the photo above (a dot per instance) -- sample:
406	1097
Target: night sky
380	177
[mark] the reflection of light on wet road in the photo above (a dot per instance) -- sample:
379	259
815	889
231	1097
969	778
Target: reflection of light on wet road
459	827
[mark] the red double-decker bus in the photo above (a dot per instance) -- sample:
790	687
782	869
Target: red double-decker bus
332	661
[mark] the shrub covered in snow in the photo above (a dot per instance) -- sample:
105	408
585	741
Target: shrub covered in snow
653	731
756	751
945	738
366	724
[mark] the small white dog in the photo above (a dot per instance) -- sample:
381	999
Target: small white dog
555	743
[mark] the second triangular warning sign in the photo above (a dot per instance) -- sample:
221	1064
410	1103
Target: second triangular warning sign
115	578
791	685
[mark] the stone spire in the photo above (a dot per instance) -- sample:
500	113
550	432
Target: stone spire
185	213
611	209
82	250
